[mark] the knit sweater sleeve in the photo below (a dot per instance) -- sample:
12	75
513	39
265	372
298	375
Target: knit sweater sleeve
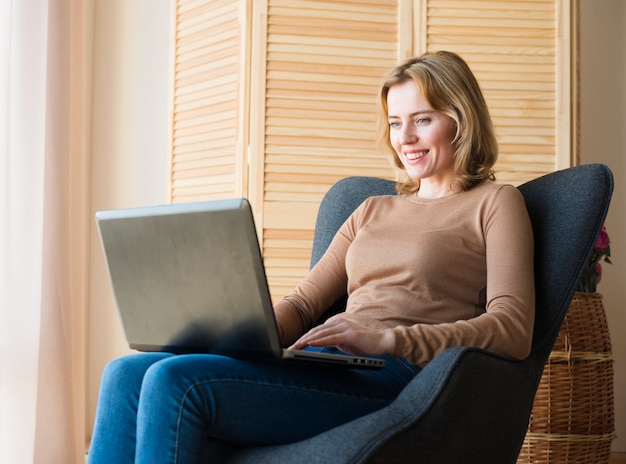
324	284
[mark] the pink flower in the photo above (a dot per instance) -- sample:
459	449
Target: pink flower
603	240
592	274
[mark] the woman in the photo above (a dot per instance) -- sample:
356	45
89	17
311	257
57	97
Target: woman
447	262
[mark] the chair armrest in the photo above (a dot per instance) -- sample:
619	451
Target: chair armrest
435	418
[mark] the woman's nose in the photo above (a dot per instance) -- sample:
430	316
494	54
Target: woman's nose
408	135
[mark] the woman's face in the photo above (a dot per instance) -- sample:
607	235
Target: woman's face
422	138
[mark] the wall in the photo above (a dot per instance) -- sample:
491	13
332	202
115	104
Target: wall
603	140
129	138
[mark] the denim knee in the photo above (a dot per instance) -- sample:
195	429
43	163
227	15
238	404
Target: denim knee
129	370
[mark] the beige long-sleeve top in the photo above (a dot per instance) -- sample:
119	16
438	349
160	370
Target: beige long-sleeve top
442	272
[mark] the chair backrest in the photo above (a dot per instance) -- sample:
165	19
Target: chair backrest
565	207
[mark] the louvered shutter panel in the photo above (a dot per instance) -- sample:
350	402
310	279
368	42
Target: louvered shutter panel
512	47
207	156
325	61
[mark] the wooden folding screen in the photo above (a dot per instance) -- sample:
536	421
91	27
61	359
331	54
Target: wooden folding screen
274	100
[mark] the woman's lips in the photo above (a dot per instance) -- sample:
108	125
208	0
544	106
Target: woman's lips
415	155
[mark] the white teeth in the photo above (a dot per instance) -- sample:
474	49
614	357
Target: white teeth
414	156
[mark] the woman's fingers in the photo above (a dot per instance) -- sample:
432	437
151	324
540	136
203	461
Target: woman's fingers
348	336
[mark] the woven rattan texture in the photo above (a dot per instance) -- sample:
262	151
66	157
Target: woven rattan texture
572	420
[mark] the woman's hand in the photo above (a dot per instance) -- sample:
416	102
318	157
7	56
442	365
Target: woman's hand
350	334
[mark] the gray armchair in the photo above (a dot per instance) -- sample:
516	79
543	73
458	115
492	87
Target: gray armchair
468	405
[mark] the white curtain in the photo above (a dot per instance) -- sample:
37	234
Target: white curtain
42	230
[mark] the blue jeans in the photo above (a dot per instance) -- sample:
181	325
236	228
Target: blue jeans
163	408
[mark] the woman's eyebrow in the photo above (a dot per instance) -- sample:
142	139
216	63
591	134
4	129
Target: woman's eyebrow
416	113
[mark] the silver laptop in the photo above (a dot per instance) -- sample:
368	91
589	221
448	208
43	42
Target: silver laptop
189	278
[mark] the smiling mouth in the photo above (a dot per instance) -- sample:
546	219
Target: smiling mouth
415	155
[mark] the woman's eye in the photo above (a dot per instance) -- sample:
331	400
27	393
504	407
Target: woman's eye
394	124
423	121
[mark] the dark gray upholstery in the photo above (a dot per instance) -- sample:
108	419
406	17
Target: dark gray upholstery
468	405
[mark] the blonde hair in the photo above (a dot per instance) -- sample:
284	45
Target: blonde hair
451	88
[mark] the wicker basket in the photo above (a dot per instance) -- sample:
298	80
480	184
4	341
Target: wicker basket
572	420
